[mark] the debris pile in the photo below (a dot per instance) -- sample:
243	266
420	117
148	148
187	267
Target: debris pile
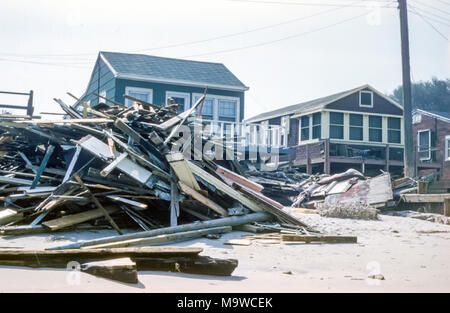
350	187
117	166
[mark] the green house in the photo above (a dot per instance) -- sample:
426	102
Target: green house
156	79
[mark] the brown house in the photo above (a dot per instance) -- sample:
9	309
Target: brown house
432	142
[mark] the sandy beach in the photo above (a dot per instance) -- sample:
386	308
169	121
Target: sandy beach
412	256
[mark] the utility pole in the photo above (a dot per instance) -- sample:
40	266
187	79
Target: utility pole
409	153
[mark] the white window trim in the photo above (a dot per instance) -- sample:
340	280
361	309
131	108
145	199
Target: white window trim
103	94
216	104
360	98
429	143
447	146
185	95
137	89
417	118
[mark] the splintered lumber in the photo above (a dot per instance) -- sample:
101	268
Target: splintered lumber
238	179
223	187
226	221
176	237
202	199
182	170
123	270
74	219
102	151
98	204
202	265
60	258
324	238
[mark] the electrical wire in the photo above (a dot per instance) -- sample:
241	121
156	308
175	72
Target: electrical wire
429	23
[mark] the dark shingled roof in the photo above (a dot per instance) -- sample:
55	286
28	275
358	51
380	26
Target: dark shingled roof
444	115
301	107
154	67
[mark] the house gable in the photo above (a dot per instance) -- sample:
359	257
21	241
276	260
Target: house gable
380	105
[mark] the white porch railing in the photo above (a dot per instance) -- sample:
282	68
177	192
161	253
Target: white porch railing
274	136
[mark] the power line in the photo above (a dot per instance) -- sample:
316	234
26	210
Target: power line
431	13
304	3
431	7
430	24
278	40
201	40
443	2
68	65
431	18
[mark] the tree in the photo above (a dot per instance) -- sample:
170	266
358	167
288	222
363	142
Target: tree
431	95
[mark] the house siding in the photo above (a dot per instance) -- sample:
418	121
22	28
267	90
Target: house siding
441	129
102	79
160	89
351	103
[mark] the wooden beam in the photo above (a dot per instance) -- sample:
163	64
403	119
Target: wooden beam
182	170
447	207
98	204
78	218
321	238
202	199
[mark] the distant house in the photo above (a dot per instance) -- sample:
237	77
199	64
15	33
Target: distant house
155	79
431	132
360	128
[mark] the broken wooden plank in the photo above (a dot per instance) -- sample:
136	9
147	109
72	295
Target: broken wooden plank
182	170
201	265
238	242
202	199
48	154
238	179
321	238
78	218
98	204
138	205
128	167
223	187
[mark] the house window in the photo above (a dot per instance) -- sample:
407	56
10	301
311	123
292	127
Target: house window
179	98
447	148
375	129
208	107
394	130
227	108
138	93
366	99
336	125
356	127
284	130
316	125
304	128
424	144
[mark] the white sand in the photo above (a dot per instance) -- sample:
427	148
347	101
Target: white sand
409	260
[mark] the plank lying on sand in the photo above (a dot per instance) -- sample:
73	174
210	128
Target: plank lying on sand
202	265
41	257
327	239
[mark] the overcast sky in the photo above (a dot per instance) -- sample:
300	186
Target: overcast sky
286	51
